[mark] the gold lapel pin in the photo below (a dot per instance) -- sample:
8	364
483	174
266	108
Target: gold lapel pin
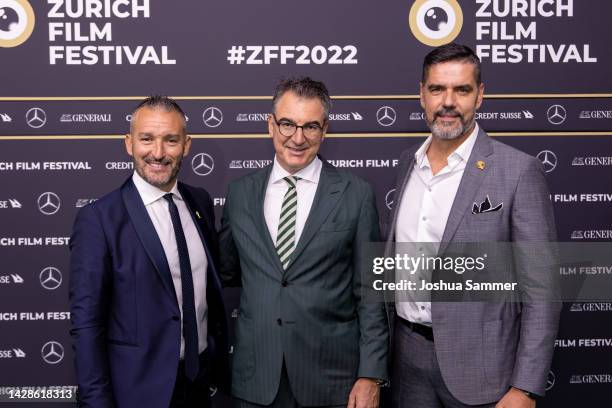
198	214
480	165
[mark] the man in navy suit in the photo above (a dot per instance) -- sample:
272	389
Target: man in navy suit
148	320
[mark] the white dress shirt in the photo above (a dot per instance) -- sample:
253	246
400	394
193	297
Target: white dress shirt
157	207
423	212
277	187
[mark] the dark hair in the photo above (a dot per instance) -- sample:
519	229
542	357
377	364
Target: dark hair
304	87
163	102
451	52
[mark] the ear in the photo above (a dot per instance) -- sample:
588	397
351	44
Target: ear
271	125
480	96
128	144
187	145
325	127
421	85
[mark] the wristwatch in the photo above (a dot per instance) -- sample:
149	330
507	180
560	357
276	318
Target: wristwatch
379	382
530	394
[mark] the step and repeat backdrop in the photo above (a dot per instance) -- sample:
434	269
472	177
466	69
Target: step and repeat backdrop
72	71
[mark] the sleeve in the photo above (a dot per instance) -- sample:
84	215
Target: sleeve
535	256
229	261
90	270
374	330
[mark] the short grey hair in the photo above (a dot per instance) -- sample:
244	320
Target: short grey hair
303	87
162	102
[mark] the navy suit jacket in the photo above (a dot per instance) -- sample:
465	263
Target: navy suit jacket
126	322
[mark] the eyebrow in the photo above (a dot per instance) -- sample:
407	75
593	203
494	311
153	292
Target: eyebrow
314	122
166	136
464	87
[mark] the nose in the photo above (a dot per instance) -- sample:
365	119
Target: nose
158	149
298	137
449	99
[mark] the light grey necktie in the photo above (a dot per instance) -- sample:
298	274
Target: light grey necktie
285	239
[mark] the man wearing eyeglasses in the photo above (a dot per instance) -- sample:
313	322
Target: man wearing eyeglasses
291	237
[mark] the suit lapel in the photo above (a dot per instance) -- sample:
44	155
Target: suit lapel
469	185
203	227
260	184
147	234
329	191
402	182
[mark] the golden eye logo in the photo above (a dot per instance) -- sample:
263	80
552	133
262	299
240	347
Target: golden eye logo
16	22
435	22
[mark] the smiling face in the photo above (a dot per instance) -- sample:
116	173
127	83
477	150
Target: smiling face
157	142
450	97
298	151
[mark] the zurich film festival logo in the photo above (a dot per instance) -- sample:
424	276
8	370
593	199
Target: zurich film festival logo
16	22
435	22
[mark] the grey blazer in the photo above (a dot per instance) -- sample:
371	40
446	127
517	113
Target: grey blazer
312	315
484	348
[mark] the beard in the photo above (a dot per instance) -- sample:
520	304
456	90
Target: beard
158	180
443	132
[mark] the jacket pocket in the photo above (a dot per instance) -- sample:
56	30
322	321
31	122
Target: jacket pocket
337	226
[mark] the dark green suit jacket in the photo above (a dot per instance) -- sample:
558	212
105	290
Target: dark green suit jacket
312	314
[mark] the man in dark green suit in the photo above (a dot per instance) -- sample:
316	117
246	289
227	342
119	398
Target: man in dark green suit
292	237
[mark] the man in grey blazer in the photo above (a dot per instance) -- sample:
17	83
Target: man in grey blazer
462	186
292	237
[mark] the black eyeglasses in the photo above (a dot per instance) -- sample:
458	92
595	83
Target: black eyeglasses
288	129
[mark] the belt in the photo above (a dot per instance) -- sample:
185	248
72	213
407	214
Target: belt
423	330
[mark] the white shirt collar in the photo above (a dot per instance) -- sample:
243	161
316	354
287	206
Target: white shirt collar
309	173
150	193
462	153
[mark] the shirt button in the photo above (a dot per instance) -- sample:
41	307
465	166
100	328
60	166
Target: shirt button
429	189
424	218
422	307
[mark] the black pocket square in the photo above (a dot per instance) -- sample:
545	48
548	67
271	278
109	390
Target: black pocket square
486	207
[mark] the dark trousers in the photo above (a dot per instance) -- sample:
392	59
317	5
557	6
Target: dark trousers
196	393
416	379
284	397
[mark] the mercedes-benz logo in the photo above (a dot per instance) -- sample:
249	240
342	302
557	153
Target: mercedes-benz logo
50	278
556	114
52	352
36	118
548	159
202	164
390	199
212	117
385	115
48	203
550	380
